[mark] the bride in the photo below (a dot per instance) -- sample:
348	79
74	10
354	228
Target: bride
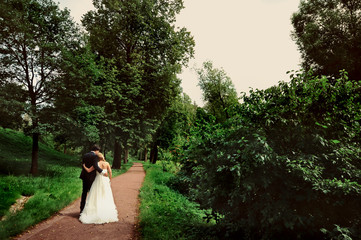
100	207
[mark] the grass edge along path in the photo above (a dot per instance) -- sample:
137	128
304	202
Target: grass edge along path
66	224
166	214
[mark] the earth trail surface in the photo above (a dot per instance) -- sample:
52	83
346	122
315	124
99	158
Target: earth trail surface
65	224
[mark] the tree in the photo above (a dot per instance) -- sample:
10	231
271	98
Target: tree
80	98
175	126
218	91
33	34
140	39
328	35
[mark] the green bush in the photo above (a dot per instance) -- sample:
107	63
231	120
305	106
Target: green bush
286	165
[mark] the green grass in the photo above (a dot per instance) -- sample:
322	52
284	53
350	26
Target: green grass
56	186
165	213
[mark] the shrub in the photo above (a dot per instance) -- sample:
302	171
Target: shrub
286	166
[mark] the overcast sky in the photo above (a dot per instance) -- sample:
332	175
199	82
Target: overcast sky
249	39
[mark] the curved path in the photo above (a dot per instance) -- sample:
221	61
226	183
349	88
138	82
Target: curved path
65	224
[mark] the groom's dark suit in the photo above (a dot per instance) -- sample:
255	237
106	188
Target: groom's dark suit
90	159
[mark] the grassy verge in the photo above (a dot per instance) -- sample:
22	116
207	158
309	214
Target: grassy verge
165	213
57	185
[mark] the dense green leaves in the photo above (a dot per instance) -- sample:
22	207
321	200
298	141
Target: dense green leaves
175	127
286	165
139	40
81	97
110	85
328	35
12	105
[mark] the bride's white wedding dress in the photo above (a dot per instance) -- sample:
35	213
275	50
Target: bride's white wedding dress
99	207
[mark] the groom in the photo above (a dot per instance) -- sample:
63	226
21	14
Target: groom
89	159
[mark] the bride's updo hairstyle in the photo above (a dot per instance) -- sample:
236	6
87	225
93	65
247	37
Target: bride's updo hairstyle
101	157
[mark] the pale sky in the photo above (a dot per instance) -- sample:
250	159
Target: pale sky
249	39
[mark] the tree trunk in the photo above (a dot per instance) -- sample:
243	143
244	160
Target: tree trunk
126	155
35	154
117	161
35	147
64	148
140	155
154	153
145	154
223	105
151	155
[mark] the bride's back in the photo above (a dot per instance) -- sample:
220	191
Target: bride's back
103	164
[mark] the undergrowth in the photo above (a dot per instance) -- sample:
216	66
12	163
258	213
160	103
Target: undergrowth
167	214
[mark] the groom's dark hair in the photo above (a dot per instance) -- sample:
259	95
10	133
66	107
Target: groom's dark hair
95	147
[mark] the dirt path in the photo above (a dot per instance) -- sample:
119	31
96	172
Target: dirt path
65	225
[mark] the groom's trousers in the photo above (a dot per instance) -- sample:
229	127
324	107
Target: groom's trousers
86	188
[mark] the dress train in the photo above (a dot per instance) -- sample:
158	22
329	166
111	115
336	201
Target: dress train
99	207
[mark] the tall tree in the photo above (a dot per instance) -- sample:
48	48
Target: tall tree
140	38
80	98
218	91
328	35
175	127
32	36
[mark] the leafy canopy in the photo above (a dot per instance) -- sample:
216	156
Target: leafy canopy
286	166
328	35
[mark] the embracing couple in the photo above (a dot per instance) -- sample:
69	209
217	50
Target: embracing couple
98	206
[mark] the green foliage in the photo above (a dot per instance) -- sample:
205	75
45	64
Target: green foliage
328	35
176	124
33	36
141	43
286	165
166	214
219	93
110	85
338	233
12	106
80	98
